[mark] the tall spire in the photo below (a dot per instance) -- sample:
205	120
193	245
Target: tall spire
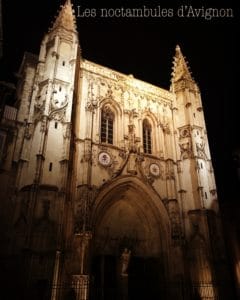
181	75
66	18
180	67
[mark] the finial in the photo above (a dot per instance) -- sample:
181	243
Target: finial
178	48
181	69
65	18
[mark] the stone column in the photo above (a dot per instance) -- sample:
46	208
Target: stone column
84	260
55	276
80	280
80	285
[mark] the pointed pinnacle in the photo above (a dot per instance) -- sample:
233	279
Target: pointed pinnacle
65	17
177	48
180	66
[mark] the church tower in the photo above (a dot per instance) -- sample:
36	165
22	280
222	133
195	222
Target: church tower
41	155
193	149
45	111
202	230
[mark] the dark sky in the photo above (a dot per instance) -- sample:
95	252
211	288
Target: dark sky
145	48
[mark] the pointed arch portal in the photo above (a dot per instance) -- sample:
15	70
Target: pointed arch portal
129	215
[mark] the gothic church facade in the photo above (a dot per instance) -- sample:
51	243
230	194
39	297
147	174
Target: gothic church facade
94	162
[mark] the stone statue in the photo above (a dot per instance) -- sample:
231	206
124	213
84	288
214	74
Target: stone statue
125	257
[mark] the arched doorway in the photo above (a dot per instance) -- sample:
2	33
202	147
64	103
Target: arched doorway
129	215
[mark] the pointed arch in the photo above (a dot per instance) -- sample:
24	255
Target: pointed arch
107	123
150	117
128	204
116	108
149	132
128	214
147	136
110	116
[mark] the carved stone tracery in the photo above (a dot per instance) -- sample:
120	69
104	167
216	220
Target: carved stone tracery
82	208
186	150
201	150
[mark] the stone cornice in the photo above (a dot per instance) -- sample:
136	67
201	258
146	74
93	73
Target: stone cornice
128	80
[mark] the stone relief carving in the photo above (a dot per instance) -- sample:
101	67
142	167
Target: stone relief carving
38	111
165	127
106	242
58	108
175	219
29	129
183	84
153	168
201	150
184	132
87	155
124	155
125	95
109	93
93	95
169	170
100	89
58	103
58	114
174	216
132	165
135	163
179	167
186	150
162	168
128	81
97	69
43	124
163	122
104	159
82	208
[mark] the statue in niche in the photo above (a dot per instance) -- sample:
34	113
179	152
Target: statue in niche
125	258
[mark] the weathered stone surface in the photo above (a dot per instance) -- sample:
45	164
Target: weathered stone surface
98	161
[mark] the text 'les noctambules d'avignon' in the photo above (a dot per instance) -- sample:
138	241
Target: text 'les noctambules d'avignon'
183	11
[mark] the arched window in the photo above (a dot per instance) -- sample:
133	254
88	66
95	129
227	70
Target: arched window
107	118
147	142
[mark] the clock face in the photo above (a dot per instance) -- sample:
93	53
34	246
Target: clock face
104	158
154	169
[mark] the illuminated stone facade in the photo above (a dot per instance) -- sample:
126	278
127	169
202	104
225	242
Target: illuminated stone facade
98	162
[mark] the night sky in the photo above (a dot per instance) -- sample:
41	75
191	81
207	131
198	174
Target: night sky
145	48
